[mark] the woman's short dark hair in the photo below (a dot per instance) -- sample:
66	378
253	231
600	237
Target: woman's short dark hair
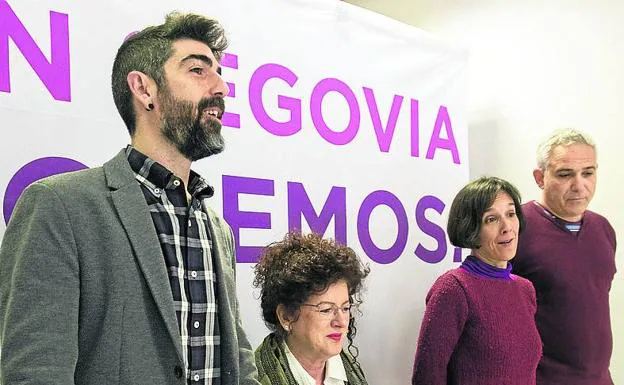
469	205
292	270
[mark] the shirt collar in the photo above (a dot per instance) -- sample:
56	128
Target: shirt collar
567	225
335	373
482	269
157	177
334	369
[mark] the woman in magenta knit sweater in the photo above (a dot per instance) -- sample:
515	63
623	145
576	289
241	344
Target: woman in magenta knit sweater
479	327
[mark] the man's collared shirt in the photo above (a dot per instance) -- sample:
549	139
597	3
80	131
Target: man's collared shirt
335	373
183	232
573	227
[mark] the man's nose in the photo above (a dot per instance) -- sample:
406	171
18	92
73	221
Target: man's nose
577	182
219	87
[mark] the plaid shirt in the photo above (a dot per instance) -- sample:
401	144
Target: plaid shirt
182	229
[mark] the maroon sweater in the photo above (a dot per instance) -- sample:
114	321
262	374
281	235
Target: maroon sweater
478	331
572	275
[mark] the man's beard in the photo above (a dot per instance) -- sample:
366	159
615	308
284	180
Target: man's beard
194	138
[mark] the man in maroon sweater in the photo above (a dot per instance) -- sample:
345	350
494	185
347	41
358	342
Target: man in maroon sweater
568	252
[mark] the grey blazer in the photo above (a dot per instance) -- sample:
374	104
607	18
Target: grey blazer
84	292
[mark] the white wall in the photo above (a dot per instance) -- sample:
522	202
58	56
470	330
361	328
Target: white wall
535	66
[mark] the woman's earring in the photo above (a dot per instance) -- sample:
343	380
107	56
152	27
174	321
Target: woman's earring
150	107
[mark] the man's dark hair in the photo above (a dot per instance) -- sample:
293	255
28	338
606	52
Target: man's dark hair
469	205
148	50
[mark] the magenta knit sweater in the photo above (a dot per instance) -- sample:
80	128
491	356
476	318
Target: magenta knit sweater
478	331
572	275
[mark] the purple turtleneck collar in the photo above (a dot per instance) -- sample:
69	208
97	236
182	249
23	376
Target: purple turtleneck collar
477	267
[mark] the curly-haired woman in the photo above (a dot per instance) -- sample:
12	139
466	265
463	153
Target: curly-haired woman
310	289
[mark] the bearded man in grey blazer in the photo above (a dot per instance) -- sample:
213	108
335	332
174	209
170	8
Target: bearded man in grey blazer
122	274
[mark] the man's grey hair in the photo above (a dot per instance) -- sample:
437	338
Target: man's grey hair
561	137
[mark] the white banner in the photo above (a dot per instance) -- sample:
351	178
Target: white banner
340	121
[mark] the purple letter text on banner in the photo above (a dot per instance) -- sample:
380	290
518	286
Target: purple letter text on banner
256	84
443	119
237	219
32	172
55	73
335	207
431	229
375	253
316	110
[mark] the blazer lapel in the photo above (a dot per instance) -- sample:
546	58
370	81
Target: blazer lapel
130	203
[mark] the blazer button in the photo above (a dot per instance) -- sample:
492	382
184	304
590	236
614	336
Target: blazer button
178	371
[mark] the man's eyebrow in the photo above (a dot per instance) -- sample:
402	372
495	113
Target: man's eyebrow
204	58
567	169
